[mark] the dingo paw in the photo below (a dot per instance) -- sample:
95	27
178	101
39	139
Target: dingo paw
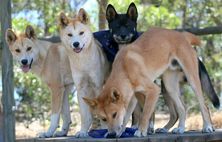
45	135
81	134
208	129
178	130
161	130
60	133
134	126
139	133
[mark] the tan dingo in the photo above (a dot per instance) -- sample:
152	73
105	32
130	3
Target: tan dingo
134	70
88	63
50	62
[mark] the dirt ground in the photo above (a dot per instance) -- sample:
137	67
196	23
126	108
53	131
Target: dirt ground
193	122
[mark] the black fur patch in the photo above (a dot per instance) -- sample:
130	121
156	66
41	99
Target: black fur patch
174	63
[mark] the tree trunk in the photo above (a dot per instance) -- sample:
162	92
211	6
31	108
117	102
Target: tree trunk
7	130
46	25
102	13
184	16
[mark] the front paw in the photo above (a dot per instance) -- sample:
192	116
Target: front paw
81	134
161	130
60	133
139	133
208	129
134	126
178	130
45	135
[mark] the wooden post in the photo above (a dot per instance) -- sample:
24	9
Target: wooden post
8	120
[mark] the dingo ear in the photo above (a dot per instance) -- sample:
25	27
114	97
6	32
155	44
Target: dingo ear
132	12
91	102
115	96
30	32
63	20
110	13
10	37
83	17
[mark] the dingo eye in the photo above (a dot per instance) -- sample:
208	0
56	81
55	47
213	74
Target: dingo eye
17	50
29	48
114	115
104	119
70	35
81	33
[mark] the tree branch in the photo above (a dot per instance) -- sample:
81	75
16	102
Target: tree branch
203	31
196	31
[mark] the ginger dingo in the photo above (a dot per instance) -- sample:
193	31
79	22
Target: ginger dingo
123	28
134	70
50	62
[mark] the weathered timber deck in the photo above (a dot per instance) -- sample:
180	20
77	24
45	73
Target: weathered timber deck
192	136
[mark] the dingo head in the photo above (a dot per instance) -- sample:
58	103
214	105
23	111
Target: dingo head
23	47
122	26
75	33
110	108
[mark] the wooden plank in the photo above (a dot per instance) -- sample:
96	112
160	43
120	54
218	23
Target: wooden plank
7	76
192	136
1	125
66	139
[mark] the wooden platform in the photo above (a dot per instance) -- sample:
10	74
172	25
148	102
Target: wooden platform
192	136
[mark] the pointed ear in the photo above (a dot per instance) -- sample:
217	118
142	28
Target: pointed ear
30	32
91	102
83	16
110	13
10	36
63	20
115	95
132	12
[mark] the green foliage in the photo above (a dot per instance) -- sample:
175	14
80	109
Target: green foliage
33	97
19	25
47	11
157	16
122	5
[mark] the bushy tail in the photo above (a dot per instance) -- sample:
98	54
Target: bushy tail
207	85
191	38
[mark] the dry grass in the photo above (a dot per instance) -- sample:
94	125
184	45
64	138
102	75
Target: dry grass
193	122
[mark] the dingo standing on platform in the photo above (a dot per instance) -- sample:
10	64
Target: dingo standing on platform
50	62
88	63
123	28
134	70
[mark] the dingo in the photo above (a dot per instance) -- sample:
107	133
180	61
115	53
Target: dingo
88	63
50	62
136	66
123	28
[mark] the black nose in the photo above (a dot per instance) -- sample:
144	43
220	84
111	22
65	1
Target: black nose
111	135
123	36
76	44
24	61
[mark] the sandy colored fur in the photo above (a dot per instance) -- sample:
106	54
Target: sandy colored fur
139	64
51	64
90	66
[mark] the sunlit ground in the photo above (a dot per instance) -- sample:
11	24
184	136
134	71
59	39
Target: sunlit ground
193	122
